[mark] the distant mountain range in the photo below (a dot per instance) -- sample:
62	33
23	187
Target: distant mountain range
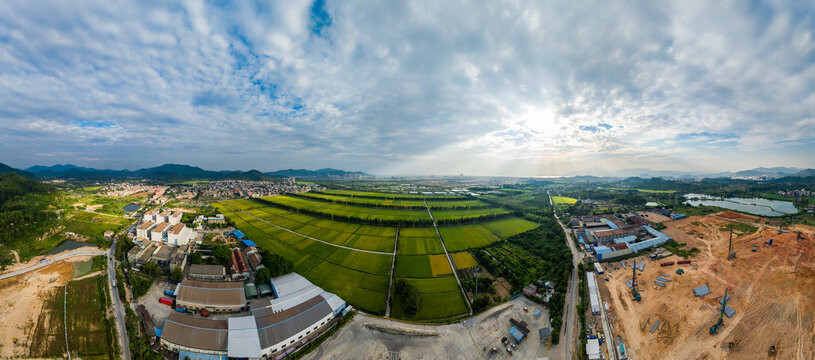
169	172
321	173
756	173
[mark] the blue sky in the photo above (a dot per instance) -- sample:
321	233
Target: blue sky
424	87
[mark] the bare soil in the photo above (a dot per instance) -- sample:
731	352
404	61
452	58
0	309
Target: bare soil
772	291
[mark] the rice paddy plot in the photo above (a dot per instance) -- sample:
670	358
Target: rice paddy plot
463	237
419	245
439	265
370	242
563	200
354	286
441	298
361	261
413	266
464	260
468	213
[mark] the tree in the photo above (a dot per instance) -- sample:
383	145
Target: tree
222	254
411	295
196	258
5	258
177	274
263	276
276	264
150	268
481	302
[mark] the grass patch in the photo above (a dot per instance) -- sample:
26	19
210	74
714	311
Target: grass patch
677	249
739	227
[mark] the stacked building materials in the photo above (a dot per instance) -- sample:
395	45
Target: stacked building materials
701	290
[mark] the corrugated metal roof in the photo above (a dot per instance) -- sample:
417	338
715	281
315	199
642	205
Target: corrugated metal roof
195	332
659	283
274	327
201	269
205	293
729	311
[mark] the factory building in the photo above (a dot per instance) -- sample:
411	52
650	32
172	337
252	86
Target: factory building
211	296
594	299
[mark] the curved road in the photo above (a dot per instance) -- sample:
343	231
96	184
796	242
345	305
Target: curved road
51	261
569	320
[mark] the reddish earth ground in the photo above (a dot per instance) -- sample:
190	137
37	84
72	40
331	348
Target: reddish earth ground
772	291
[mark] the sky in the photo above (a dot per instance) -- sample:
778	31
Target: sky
518	88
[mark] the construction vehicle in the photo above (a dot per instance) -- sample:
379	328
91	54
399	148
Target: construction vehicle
634	292
718	324
679	271
730	253
733	344
799	236
771	353
769	243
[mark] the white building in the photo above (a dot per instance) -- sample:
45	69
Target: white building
174	218
159	232
150	215
180	234
143	231
594	299
593	349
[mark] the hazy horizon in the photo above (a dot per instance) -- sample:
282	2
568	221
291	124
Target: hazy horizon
444	88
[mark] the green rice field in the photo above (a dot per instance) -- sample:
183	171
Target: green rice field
364	213
455	203
359	277
463	237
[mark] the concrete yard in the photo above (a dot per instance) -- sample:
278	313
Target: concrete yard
771	291
369	337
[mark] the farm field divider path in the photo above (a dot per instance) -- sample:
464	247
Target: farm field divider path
312	238
390	282
449	259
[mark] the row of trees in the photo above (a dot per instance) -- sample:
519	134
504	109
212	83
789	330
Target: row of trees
386	196
387	222
412	299
349	201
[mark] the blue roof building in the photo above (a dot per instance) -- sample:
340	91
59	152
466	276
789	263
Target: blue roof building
248	243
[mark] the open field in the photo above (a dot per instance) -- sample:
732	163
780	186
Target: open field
370	194
463	237
467	213
358	277
441	298
363	213
563	200
462	203
31	314
464	260
92	224
771	291
318	252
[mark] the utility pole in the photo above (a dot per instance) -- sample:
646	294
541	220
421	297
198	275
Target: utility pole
476	270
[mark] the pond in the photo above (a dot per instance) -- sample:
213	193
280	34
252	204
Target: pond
755	206
69	245
131	207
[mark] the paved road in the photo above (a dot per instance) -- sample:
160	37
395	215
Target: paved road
309	237
569	320
118	310
51	261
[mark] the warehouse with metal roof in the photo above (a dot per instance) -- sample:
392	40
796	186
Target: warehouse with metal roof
212	296
195	334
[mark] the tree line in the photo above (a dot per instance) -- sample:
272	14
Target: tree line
388	222
390	206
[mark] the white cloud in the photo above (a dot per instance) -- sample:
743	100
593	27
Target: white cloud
528	88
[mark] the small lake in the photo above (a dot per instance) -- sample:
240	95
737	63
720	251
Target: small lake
69	245
755	206
131	207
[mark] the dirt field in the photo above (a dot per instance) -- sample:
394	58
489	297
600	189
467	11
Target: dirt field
21	300
368	337
653	217
772	291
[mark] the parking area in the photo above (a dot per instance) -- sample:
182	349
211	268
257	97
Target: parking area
369	337
158	311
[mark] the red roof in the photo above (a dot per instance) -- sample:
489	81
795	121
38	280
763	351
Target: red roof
618	247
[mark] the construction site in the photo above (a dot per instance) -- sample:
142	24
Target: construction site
749	296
